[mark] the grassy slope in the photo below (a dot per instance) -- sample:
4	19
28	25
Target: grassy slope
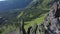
36	13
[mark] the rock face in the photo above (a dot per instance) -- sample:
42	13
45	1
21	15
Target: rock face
22	30
52	20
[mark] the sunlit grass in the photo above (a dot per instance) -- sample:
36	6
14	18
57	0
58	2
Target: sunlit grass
37	21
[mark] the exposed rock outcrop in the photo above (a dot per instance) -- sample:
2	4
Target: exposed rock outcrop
52	21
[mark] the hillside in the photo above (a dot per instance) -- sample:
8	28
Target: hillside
35	12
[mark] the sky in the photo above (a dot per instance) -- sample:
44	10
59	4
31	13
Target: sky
2	0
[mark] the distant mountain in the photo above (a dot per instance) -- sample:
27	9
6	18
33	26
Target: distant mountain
13	4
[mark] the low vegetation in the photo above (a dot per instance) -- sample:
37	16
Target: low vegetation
34	13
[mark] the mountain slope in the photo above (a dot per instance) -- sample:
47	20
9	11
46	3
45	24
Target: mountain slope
36	11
